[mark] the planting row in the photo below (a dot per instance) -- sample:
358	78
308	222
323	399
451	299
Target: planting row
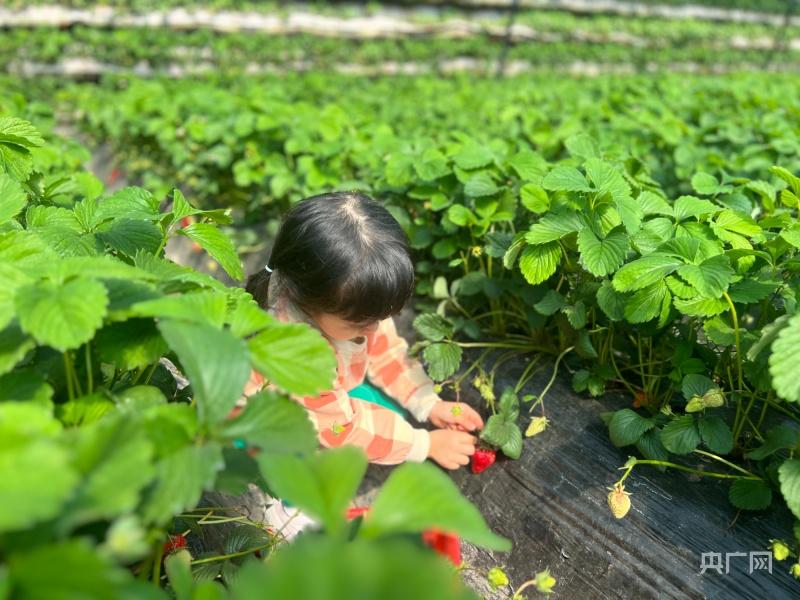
755	6
259	144
544	42
349	21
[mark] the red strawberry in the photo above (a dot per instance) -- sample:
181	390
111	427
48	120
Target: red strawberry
114	175
186	221
482	459
445	544
352	513
174	543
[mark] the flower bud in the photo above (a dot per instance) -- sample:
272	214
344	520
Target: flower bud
497	578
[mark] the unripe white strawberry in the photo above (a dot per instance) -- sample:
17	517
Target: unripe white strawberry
619	501
713	398
537	425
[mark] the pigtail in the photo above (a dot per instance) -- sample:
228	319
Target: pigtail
257	286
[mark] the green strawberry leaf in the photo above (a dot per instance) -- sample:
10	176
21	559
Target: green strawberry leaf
433	327
321	484
689	206
711	277
218	245
539	263
12	198
131	344
294	356
778	438
627	427
750	494
129	236
695	384
503	434
789	476
554	226
473	156
443	359
783	363
72	568
17	137
418	496
611	302
647	303
62	316
480	185
645	271
603	257
582	145
431	165
706	184
550	304
716	434
181	478
216	363
534	198
566	179
206	306
35	481
530	166
681	435
272	423
128	203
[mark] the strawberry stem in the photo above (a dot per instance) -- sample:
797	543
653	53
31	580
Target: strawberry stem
220	557
665	463
552	380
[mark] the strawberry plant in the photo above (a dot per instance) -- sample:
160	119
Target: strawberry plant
685	302
119	370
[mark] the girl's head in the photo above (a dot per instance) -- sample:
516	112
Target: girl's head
342	259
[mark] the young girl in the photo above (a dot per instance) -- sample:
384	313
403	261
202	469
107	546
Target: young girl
341	264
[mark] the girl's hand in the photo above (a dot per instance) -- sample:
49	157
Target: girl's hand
451	449
455	415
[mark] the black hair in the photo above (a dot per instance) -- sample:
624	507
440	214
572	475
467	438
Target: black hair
341	253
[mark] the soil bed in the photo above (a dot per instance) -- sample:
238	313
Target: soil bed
552	504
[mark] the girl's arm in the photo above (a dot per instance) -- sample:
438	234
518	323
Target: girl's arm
384	435
390	368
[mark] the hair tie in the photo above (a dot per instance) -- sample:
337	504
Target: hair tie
267	269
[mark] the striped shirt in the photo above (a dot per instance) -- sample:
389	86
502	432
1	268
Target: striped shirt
339	419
